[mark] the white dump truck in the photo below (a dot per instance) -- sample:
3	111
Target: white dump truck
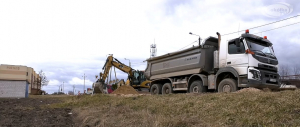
223	66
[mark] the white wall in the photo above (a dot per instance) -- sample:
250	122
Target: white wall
13	89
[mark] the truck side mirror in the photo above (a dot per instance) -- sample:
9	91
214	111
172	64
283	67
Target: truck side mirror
237	42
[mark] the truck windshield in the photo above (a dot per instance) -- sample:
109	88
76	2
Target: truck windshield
261	48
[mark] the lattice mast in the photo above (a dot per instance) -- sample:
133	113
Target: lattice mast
153	50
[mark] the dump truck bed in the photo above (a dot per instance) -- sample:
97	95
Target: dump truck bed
189	61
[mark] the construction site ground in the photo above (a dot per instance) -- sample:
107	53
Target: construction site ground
33	112
248	107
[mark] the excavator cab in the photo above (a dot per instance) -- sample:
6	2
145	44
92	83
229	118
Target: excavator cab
138	77
142	76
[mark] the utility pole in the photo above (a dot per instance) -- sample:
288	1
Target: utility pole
129	62
63	88
84	82
199	39
58	89
73	89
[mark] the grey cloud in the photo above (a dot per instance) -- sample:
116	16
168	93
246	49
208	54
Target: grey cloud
240	11
286	50
171	5
64	72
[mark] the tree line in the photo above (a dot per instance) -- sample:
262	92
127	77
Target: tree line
287	70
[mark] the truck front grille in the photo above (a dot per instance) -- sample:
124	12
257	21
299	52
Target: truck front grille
266	67
270	76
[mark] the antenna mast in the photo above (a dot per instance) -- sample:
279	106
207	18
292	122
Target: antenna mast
153	50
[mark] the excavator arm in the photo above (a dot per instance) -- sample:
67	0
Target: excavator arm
111	61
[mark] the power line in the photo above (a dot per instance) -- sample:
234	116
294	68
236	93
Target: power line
278	27
188	45
139	64
257	32
262	25
257	27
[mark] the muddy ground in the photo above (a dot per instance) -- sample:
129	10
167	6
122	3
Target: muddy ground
31	112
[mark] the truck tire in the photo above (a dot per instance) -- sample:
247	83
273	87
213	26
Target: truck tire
227	85
197	87
167	88
155	89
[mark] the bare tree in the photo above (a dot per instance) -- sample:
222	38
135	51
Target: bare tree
44	80
296	70
284	70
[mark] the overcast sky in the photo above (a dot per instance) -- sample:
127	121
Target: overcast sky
67	38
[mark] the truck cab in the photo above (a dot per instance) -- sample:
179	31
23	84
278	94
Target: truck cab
254	60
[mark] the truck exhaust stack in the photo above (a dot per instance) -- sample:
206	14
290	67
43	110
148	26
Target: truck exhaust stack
219	40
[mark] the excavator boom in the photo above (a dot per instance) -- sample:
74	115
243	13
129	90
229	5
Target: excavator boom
111	61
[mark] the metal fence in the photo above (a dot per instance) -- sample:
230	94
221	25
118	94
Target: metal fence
291	80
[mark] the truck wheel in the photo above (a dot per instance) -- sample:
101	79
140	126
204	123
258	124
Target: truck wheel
197	87
155	89
227	85
167	88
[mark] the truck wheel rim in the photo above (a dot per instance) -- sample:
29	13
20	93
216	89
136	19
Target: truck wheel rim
226	88
154	90
167	90
195	89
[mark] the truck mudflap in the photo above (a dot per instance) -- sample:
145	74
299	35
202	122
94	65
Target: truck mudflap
263	79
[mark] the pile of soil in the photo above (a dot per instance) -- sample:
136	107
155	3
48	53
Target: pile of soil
125	89
249	90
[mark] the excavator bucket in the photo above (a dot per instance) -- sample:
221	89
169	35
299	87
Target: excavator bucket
100	87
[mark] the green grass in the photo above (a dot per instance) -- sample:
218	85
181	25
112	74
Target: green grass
212	109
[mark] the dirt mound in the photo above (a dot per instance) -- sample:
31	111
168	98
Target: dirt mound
125	90
249	90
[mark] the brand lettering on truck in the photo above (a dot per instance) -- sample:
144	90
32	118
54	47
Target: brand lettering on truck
191	58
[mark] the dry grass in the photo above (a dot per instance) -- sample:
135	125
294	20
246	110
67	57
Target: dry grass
179	110
49	96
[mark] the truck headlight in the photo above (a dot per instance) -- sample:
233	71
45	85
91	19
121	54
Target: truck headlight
256	74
